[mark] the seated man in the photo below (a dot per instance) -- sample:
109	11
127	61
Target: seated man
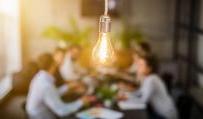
43	101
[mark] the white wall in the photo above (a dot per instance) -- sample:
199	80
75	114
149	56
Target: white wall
10	51
200	46
2	53
38	14
155	18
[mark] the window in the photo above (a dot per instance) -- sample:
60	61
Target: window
188	40
10	45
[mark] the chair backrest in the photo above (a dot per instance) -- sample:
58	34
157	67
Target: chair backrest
169	67
168	80
168	71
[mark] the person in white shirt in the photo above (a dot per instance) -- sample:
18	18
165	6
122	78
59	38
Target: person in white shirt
43	101
153	90
70	69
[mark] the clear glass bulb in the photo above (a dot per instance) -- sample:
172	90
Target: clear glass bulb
103	52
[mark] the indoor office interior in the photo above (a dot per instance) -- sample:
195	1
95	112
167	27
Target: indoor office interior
101	59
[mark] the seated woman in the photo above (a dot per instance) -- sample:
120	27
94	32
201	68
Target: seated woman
153	90
141	48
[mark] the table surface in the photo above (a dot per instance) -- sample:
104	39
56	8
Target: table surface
197	95
135	114
128	114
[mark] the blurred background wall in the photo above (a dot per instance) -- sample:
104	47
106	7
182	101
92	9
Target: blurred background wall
156	19
153	18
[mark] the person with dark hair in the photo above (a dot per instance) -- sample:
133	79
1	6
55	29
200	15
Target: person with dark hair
44	98
144	46
153	90
141	49
150	62
45	61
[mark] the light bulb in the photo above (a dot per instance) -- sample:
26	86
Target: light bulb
103	52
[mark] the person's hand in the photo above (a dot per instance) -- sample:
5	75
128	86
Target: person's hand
122	97
77	87
73	85
81	89
125	87
88	99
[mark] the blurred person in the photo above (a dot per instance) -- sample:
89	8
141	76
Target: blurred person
59	55
45	61
44	99
153	90
142	48
70	69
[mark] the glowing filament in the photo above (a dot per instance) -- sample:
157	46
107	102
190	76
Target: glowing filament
103	53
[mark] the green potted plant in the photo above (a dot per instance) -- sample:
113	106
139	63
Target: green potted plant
75	36
129	36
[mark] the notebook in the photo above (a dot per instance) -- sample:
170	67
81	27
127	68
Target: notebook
101	113
131	105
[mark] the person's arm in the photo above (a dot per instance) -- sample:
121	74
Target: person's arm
61	109
125	76
146	91
80	70
63	89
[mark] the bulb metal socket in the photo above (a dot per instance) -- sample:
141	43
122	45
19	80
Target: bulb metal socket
105	24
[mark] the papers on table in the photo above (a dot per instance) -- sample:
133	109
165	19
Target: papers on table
131	104
101	113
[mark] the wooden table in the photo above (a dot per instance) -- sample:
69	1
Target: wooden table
128	114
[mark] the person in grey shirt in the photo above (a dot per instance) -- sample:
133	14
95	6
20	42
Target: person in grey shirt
43	101
153	90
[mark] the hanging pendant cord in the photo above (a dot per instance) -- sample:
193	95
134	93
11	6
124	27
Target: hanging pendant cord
106	7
